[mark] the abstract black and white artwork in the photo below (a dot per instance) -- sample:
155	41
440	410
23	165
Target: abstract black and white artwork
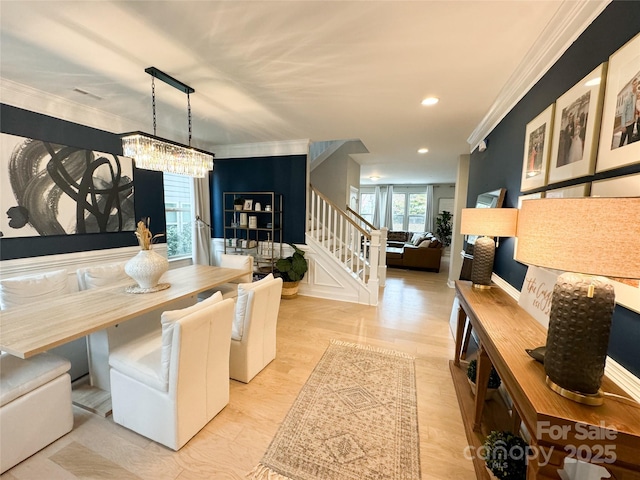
49	189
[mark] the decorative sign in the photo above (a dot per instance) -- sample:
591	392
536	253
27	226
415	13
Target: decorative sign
49	189
536	293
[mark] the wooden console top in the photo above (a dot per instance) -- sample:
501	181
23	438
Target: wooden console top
505	330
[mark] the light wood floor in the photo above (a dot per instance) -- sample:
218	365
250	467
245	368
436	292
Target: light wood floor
413	316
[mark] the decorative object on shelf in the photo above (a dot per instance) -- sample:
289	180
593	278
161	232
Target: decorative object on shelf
244	220
443	227
147	266
248	204
253	221
292	270
494	379
267	208
576	127
488	222
620	137
257	207
557	233
238	203
537	150
506	455
154	153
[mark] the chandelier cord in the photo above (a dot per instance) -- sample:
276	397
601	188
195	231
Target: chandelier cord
189	115
153	103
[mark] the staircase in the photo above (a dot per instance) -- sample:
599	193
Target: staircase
347	257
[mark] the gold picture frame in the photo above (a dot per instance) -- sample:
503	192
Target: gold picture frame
576	128
537	151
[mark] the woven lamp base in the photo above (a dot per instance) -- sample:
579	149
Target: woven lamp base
483	254
578	336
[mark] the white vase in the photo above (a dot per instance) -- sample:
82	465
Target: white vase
146	268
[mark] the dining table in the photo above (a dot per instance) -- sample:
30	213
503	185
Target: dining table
28	330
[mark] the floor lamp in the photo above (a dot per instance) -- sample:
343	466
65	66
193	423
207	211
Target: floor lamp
586	237
489	223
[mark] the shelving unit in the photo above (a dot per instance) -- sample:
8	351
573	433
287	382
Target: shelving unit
248	231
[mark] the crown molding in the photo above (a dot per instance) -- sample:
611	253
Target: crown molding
28	98
568	23
263	149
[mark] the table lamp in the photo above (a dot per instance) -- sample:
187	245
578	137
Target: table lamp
489	223
585	237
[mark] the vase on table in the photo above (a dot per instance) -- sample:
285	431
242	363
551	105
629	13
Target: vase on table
146	268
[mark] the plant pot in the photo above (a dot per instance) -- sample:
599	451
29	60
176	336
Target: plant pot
289	290
490	391
146	268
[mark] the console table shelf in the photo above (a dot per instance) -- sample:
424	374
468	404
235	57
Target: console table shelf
505	330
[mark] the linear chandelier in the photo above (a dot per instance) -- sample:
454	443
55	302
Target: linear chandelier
154	153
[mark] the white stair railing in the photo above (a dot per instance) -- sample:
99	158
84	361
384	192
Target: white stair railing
346	240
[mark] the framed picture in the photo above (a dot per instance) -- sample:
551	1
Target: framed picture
537	151
620	132
576	128
624	186
248	204
48	189
575	191
627	291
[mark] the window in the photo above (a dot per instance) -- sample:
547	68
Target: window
179	214
367	206
409	209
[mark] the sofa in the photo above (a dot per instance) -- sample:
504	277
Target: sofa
421	251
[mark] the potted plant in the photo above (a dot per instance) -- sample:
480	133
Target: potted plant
238	203
443	227
494	379
505	455
292	270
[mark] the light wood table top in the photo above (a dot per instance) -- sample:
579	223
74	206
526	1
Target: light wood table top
29	330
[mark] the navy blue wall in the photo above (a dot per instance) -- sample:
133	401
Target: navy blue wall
500	165
285	175
148	193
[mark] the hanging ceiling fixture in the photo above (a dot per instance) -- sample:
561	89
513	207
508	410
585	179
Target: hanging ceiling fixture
154	153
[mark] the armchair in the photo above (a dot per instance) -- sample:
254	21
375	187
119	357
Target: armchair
253	339
167	387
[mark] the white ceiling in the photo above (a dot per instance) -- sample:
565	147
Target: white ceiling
267	70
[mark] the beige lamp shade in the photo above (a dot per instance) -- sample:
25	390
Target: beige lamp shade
492	222
596	236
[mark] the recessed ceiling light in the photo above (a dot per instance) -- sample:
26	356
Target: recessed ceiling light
593	82
430	101
423	150
374	177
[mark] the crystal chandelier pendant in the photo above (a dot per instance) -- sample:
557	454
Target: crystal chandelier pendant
154	153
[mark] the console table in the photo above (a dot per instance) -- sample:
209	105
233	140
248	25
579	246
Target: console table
558	427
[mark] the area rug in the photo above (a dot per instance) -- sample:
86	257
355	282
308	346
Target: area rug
355	419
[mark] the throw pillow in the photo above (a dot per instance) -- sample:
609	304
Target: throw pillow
426	243
23	290
418	237
435	243
93	277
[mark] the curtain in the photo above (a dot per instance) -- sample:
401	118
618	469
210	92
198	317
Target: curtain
428	221
388	211
377	206
201	243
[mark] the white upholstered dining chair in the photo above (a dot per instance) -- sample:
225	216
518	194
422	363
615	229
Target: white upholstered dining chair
230	289
35	394
167	387
253	339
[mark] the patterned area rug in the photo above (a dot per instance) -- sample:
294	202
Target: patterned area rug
355	419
